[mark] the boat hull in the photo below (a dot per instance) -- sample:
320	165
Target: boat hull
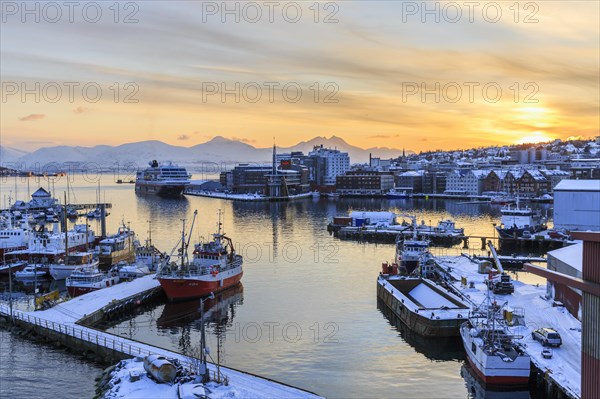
162	190
80	289
61	272
420	324
179	289
492	370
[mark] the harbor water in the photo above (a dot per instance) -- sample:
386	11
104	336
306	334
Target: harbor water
307	313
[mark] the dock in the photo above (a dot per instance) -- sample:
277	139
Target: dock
64	323
564	368
246	197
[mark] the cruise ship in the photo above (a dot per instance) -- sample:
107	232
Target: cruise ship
163	179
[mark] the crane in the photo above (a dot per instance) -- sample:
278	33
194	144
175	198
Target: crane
500	284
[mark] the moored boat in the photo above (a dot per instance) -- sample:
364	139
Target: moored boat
422	305
64	268
515	220
398	194
215	267
492	351
31	272
89	278
164	179
117	247
12	266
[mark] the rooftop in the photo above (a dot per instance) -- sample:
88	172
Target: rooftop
578	185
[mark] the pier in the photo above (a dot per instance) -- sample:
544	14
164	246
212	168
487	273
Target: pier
246	197
64	323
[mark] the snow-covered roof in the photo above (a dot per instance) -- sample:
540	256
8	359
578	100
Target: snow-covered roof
415	173
578	185
571	255
40	192
555	172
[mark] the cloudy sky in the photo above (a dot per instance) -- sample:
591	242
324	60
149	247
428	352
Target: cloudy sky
419	75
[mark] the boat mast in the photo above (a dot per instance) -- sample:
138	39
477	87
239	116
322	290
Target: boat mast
66	230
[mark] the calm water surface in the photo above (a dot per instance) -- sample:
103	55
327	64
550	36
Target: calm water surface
307	313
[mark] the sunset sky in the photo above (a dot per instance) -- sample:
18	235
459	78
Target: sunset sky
372	59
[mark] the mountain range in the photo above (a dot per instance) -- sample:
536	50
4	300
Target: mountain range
218	149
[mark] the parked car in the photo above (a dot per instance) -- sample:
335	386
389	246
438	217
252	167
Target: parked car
557	234
526	234
547	353
547	336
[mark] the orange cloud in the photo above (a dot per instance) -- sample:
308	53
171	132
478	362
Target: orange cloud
32	117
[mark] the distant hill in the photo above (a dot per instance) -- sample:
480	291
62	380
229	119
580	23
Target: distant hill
218	149
8	154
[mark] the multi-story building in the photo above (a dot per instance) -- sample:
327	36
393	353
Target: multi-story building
465	182
554	176
411	180
434	182
533	183
336	163
364	183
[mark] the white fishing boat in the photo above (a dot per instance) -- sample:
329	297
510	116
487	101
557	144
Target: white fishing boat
515	220
493	351
64	268
32	272
87	279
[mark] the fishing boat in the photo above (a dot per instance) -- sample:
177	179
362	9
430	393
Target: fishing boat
398	194
515	220
31	272
117	247
413	256
51	245
502	199
13	238
63	269
215	267
164	179
543	199
89	278
492	350
12	266
130	271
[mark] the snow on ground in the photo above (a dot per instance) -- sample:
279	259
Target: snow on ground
565	364
241	385
76	308
131	381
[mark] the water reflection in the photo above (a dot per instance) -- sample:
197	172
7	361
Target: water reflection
182	318
437	349
478	390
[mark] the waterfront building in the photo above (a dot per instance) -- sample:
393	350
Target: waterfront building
365	183
576	205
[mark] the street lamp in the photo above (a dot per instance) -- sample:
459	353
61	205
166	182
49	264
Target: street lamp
203	367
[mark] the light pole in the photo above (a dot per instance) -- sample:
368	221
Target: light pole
494	233
204	368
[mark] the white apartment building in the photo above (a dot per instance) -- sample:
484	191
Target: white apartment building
337	163
468	182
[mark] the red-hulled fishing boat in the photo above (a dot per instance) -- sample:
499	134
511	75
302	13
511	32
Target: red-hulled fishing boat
215	266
